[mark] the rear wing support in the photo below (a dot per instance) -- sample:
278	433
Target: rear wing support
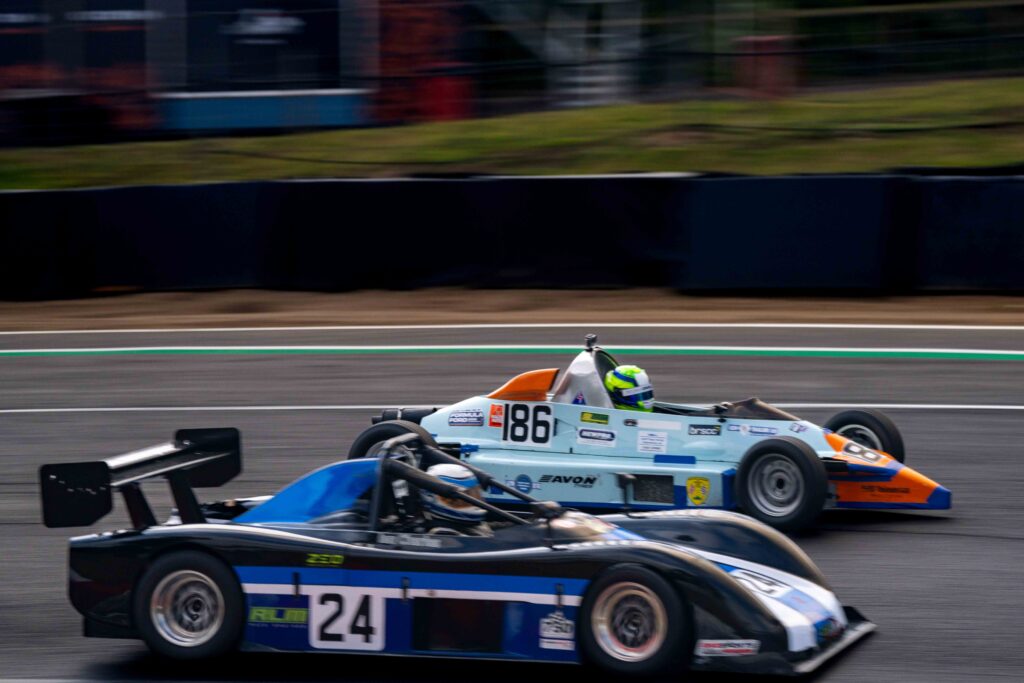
79	494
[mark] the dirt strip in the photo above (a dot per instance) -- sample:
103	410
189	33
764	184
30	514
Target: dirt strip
257	308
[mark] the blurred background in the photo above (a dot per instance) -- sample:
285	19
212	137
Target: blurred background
74	71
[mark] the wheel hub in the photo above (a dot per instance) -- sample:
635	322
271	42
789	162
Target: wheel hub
775	485
187	608
629	622
861	435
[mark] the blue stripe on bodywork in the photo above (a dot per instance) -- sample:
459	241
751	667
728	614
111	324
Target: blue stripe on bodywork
369	578
728	484
675	460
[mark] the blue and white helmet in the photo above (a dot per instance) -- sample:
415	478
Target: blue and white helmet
453	509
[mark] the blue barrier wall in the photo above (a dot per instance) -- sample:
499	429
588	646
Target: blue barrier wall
812	234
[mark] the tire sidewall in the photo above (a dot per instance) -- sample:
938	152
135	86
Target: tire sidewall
382	432
674	655
879	423
815	482
230	634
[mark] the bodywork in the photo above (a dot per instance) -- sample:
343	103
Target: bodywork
562	439
318	576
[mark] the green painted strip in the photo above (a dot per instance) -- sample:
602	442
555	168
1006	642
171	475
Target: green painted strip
908	354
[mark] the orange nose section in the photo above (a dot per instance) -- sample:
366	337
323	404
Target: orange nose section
876	480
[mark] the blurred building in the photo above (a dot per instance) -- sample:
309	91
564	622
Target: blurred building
73	70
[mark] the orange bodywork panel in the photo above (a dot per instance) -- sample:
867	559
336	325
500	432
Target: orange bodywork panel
905	486
529	386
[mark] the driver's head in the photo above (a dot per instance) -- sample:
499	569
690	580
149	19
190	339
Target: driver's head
630	388
453	509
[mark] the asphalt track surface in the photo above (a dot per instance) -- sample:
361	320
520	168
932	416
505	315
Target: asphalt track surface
944	588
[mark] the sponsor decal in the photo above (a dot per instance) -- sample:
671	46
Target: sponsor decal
727	648
278	615
416	540
594	418
585	481
830	629
705	430
753	430
596	437
557	632
876	488
652	442
466	418
523	484
324	560
798	428
579	400
697	490
629	422
497	415
660	424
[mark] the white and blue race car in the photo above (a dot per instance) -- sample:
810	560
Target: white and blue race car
563	439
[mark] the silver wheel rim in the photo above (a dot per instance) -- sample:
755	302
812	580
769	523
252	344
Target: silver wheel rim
187	608
775	485
629	621
860	434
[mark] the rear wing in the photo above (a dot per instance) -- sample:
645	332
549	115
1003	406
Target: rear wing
79	494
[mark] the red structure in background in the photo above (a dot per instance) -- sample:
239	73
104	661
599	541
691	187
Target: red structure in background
419	79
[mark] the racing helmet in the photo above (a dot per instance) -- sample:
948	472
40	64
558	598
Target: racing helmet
453	509
630	388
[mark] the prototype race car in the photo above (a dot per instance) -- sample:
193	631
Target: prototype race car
566	441
335	562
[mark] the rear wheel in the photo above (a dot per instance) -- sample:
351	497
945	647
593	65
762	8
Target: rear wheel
783	483
188	605
383	431
633	622
869	428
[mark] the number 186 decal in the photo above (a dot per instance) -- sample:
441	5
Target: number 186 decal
524	423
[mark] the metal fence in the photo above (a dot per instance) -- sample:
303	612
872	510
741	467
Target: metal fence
88	69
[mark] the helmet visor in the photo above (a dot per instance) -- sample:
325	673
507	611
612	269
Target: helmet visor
458	503
638	395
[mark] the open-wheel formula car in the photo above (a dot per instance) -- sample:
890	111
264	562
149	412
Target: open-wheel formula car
334	563
565	440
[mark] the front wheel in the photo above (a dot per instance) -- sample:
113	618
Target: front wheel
783	483
634	622
871	429
188	605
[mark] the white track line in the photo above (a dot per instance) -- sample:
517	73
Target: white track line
538	326
286	408
415	348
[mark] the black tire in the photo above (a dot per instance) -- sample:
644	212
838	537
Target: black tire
173	581
869	428
665	613
783	483
383	431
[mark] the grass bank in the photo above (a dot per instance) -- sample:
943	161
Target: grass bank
953	123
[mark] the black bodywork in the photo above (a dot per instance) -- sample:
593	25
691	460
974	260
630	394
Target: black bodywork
105	568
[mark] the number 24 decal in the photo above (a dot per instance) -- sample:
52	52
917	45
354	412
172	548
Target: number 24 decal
527	424
346	619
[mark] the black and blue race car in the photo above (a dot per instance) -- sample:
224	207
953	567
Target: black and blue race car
338	562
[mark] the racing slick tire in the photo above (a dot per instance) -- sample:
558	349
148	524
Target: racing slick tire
782	482
869	428
382	431
634	622
188	605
